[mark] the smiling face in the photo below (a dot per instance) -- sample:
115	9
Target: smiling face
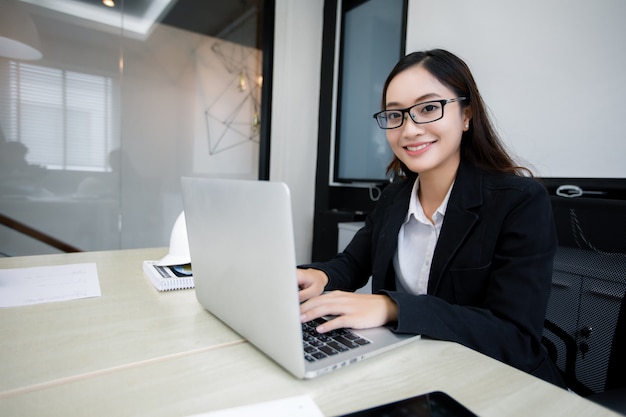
430	149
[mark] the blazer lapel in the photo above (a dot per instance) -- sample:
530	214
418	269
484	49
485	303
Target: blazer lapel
458	222
388	240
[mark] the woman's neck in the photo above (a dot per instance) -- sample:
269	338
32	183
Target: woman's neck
433	189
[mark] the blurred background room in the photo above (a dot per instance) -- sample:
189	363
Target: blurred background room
104	105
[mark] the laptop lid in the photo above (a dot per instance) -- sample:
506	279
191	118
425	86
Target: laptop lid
243	261
244	265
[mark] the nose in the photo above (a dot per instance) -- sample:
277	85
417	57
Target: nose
409	127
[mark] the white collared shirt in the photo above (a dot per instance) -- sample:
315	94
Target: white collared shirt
416	245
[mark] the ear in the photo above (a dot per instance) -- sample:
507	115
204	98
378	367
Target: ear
467	116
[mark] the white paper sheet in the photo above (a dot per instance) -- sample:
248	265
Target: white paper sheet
45	284
300	406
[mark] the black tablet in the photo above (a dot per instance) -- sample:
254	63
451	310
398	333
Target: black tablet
432	404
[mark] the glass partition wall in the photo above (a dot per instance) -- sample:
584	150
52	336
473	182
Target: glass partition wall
104	108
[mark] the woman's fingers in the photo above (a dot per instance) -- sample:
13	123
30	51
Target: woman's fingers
356	311
311	282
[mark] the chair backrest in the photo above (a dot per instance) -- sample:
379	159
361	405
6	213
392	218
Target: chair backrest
585	324
583	317
616	375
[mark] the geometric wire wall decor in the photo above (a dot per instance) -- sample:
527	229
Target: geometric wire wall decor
233	117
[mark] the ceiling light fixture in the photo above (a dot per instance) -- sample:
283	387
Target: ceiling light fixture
108	3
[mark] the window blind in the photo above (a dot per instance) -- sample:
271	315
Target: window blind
63	117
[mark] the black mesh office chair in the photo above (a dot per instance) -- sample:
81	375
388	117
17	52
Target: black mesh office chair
585	327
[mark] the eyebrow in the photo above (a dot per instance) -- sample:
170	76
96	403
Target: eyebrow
418	100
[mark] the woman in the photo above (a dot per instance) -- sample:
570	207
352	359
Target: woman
461	248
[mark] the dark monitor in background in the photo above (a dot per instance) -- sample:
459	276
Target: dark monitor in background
372	42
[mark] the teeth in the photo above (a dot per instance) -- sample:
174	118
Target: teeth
417	148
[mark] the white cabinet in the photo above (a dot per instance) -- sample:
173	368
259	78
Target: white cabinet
347	231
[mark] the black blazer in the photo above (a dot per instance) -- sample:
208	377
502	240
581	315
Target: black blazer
491	271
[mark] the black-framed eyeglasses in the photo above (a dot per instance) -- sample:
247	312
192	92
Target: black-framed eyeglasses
420	113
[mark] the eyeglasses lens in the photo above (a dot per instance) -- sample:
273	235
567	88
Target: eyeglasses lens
420	113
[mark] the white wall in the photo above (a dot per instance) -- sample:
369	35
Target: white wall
551	71
295	104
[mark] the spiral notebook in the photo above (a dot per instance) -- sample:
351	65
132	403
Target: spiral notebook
168	277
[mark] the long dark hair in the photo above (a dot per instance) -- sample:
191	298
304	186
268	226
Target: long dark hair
480	145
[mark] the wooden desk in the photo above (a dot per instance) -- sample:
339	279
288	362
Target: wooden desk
131	322
135	351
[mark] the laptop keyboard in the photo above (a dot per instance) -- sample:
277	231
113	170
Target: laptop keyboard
321	345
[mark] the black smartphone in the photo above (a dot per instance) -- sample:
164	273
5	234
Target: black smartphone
432	404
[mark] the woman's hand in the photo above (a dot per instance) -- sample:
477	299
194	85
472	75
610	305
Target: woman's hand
311	283
354	311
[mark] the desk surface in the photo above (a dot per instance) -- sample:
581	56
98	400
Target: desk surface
131	322
135	351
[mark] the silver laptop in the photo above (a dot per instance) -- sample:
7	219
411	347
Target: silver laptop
244	266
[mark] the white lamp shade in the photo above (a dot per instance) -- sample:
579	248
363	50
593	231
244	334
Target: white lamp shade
18	35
